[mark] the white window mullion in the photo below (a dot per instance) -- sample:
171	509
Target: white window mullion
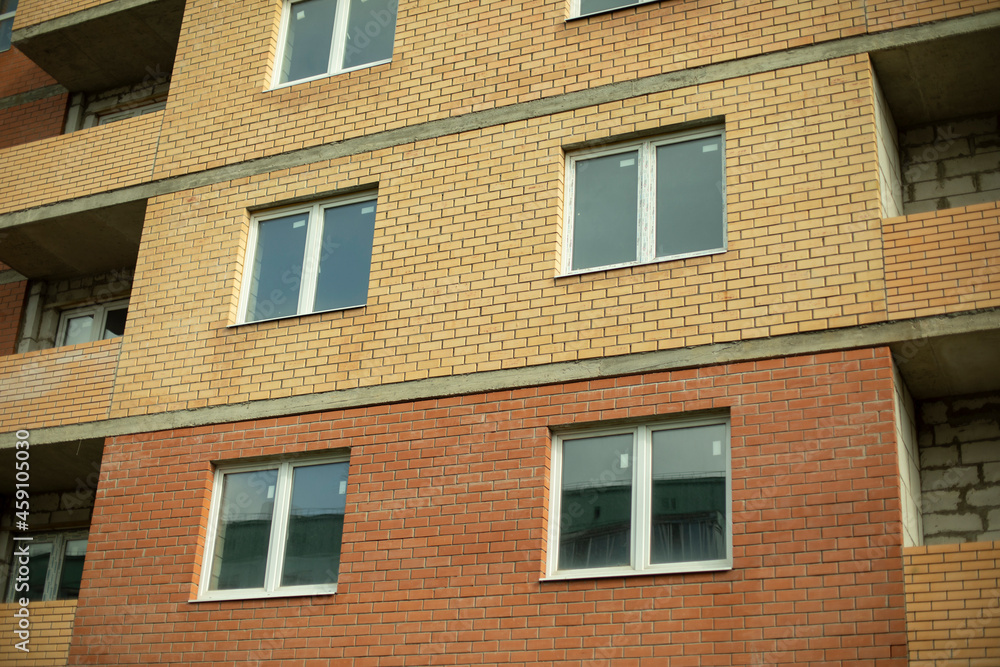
339	45
310	261
279	529
641	493
647	203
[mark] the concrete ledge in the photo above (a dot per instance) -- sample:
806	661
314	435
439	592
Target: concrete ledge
32	96
893	334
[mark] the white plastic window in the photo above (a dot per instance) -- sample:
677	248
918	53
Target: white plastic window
645	202
276	529
308	259
324	37
92	323
645	499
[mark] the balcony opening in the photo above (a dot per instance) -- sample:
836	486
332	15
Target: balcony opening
939	139
114	59
79	269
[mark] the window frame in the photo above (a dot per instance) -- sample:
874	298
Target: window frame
100	312
338	46
7	16
642	485
312	257
647	204
575	8
276	540
58	540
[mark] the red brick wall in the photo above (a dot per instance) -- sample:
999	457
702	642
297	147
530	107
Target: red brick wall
32	121
18	74
445	535
11	303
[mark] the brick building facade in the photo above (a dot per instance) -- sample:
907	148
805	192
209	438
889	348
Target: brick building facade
570	332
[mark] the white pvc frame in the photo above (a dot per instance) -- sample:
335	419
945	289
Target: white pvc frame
100	313
276	543
337	47
642	491
575	8
310	262
646	233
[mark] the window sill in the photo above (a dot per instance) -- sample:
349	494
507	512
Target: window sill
327	75
672	568
658	260
291	317
257	594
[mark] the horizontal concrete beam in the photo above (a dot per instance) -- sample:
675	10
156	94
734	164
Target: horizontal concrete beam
567	102
876	335
31	96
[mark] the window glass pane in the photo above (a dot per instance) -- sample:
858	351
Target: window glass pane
595	517
689	199
79	330
114	322
689	494
315	525
605	210
7	6
371	28
5	29
592	6
244	530
39	555
277	267
308	40
72	570
345	256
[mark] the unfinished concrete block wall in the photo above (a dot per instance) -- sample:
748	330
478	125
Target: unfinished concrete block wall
960	469
950	164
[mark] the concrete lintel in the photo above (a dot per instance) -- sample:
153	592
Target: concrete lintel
876	335
32	96
477	120
10	276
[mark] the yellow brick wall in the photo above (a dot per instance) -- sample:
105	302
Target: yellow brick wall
467	250
943	261
32	12
953	604
86	162
63	385
51	628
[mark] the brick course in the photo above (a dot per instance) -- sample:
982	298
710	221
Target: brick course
63	385
51	629
467	244
11	303
953	604
943	261
445	533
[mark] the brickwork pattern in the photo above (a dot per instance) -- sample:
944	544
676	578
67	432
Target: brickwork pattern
953	604
456	58
86	162
467	247
20	74
63	385
943	262
11	303
51	629
445	533
25	123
